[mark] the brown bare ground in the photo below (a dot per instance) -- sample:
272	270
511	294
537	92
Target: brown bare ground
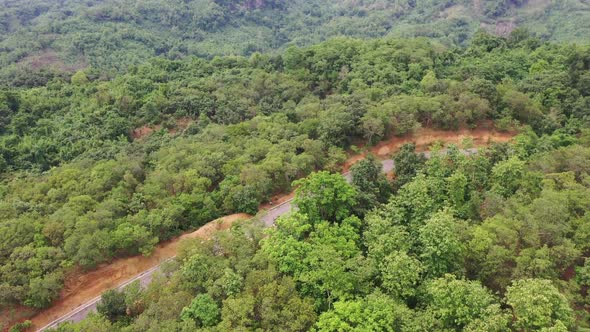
276	200
425	137
81	287
144	131
48	58
141	132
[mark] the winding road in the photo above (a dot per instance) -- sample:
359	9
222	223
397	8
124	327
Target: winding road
145	277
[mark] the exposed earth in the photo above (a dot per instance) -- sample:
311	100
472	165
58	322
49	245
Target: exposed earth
81	287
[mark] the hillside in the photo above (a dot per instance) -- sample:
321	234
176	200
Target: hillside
95	168
40	39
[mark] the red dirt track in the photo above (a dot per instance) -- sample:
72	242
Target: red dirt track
83	286
425	137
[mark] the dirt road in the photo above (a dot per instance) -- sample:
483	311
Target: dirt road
82	290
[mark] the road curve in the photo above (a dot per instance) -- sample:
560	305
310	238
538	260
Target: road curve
145	277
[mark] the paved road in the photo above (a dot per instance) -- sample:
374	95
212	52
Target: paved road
145	277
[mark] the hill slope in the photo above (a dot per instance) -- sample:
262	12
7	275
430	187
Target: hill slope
78	189
41	38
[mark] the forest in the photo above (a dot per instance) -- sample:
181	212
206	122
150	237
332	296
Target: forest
491	242
44	39
95	167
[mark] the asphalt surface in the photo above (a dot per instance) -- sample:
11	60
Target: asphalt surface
145	277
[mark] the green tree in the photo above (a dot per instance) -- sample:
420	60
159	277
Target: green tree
457	302
371	184
92	323
133	239
400	274
457	189
43	290
441	247
324	257
376	312
373	128
112	305
203	310
507	176
324	196
492	251
385	235
429	81
134	299
285	244
537	304
583	273
407	163
200	270
19	327
268	302
79	78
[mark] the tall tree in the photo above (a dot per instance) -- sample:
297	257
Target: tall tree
537	304
324	196
407	164
112	305
371	184
441	247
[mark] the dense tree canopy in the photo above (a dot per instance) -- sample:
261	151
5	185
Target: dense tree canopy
483	273
95	167
42	39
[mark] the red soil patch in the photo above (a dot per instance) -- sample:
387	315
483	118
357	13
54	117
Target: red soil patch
144	131
10	316
276	200
181	124
425	137
569	273
49	59
80	286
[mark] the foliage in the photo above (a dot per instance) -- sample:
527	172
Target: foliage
109	166
537	304
407	164
457	303
21	326
324	196
111	36
377	312
203	311
112	305
442	250
400	274
92	323
401	267
371	184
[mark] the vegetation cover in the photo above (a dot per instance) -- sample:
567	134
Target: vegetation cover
41	39
489	242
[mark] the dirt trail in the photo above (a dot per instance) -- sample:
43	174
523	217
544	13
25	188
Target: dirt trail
425	137
83	286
